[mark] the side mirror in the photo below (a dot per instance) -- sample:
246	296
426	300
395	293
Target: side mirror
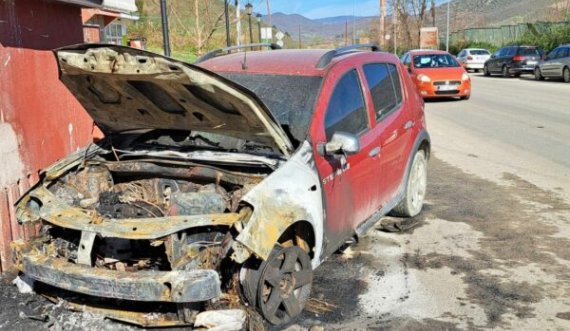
493	56
341	143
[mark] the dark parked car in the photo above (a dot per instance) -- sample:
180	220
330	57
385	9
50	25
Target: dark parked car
513	61
555	65
220	181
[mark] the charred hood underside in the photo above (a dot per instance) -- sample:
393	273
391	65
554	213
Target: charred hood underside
128	89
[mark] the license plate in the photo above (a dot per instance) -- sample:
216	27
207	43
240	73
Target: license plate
531	63
447	87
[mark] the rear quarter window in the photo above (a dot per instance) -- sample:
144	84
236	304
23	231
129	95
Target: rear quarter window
385	88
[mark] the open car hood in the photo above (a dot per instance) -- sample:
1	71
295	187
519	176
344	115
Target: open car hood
124	89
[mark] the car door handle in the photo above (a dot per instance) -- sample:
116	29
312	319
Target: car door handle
375	151
408	125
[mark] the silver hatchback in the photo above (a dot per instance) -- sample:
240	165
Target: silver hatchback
555	65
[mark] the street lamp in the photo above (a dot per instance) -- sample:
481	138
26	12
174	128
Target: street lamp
249	12
258	16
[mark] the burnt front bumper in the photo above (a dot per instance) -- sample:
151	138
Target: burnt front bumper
150	286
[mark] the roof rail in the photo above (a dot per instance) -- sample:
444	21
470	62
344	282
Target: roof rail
328	56
220	51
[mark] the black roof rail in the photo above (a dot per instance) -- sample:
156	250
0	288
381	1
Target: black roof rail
220	51
328	56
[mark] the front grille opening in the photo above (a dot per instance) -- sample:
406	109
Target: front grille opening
130	255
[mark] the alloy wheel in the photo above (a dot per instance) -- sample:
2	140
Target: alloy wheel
418	184
285	285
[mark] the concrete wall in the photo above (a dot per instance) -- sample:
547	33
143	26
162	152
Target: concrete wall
40	121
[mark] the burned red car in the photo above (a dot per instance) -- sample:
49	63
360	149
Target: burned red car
220	182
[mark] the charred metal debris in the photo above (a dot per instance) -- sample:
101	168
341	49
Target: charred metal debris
128	230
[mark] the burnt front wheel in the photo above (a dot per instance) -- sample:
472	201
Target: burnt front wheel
415	190
281	285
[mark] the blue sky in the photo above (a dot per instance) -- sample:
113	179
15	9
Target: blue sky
321	8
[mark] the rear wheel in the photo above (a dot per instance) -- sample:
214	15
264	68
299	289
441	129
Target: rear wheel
566	75
538	74
281	285
486	71
476	70
505	72
413	200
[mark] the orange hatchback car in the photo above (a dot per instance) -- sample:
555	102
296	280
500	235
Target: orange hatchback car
437	74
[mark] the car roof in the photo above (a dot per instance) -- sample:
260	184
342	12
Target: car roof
427	52
298	62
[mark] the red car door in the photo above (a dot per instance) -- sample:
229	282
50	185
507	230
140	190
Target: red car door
393	126
349	183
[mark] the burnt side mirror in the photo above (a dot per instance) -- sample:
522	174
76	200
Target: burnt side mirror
341	143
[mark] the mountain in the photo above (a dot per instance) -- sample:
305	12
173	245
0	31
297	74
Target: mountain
319	30
463	14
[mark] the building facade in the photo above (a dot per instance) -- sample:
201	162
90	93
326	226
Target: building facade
40	121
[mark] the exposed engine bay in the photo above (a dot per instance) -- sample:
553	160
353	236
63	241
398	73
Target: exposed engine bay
112	190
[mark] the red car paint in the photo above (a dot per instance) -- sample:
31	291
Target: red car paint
370	182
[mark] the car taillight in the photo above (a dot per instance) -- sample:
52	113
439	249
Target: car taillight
518	58
470	58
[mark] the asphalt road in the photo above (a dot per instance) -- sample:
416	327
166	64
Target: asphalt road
513	125
491	249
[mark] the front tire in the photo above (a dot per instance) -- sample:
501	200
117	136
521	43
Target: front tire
566	75
413	201
505	72
486	71
538	74
280	286
466	97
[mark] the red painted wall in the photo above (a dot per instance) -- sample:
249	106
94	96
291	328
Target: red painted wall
40	121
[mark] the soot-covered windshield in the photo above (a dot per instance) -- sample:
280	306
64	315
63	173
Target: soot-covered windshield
291	99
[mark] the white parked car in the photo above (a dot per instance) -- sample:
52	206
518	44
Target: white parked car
473	58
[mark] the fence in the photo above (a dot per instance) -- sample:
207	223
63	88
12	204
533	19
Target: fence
502	35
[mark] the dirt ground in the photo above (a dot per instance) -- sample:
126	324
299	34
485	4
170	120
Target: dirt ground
483	256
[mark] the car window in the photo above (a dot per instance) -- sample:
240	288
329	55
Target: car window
407	59
346	110
501	52
385	90
435	61
528	51
461	54
565	52
479	52
554	54
511	51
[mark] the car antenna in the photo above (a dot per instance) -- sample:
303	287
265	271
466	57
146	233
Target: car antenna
244	63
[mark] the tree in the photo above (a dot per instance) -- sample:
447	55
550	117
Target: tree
412	15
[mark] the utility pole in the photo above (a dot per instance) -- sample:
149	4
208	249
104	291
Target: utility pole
269	19
346	33
300	44
447	30
165	35
238	24
433	13
382	29
227	15
395	18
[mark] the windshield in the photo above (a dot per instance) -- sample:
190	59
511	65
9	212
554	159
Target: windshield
479	52
291	99
434	61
